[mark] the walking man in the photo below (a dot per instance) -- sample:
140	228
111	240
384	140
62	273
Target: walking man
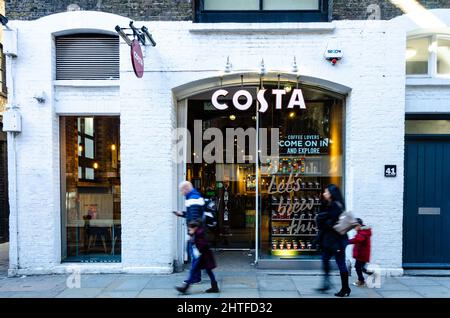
194	212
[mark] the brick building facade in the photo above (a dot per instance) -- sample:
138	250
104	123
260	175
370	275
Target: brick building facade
182	10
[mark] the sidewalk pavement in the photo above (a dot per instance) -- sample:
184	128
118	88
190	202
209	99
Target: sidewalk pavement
244	284
236	276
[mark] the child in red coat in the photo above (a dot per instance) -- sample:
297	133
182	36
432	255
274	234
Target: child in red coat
361	250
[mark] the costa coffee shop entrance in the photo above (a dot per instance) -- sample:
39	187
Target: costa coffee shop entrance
264	153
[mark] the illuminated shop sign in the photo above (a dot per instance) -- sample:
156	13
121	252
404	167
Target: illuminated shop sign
243	99
304	145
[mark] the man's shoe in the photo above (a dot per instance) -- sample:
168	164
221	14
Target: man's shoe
182	289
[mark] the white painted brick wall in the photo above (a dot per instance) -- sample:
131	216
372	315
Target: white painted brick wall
373	66
428	99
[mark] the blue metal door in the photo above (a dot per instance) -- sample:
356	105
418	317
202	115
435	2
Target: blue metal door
426	224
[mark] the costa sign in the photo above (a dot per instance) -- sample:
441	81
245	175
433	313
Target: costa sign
243	100
137	58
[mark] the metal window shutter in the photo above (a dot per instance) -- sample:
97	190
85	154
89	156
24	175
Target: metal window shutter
87	57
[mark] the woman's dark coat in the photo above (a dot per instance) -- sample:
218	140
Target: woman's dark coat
207	260
328	239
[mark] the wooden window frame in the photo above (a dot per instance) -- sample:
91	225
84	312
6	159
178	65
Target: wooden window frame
84	162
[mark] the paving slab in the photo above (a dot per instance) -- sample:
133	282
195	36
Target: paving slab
443	281
80	293
278	294
239	293
129	283
118	294
416	281
324	295
273	283
29	285
163	282
97	281
399	294
394	286
158	293
29	294
199	295
232	282
432	291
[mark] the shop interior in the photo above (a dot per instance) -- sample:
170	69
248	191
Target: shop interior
90	170
309	157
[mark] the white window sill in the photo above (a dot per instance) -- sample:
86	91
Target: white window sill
88	83
263	27
427	81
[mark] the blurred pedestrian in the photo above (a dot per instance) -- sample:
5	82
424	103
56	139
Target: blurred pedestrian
194	212
361	251
330	241
203	258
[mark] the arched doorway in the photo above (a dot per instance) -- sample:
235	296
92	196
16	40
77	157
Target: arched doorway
266	169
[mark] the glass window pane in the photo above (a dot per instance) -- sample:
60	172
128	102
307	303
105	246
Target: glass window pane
80	147
428	127
79	123
417	56
91	226
216	5
310	153
291	5
89	126
443	56
89	173
89	151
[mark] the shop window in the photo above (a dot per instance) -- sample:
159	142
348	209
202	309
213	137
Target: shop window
87	57
90	188
310	152
283	191
261	11
417	56
443	56
428	56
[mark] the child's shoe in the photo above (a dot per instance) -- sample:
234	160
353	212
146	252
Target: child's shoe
359	283
214	288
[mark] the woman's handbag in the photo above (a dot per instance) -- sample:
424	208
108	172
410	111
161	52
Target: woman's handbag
345	223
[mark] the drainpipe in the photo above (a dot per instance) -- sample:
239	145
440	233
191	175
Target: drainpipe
12	125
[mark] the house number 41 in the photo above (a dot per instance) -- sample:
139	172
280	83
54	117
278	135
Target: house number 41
390	171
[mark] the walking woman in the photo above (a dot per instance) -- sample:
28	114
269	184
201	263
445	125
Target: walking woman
331	242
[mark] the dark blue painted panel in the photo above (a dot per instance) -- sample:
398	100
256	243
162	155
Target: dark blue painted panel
426	238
